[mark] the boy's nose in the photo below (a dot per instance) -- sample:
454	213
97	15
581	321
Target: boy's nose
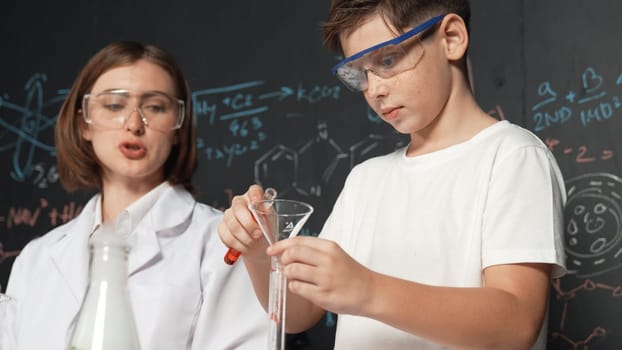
376	86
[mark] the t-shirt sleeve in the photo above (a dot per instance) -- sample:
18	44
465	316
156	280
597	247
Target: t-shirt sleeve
523	219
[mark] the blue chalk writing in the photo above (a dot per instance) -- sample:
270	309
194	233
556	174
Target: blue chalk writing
599	113
545	90
240	100
591	104
281	94
591	82
545	119
23	125
253	111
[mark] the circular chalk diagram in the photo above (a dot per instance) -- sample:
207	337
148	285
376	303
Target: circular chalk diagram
593	223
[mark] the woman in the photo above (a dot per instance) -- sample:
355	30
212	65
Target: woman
127	131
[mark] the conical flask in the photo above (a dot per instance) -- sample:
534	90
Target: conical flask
106	320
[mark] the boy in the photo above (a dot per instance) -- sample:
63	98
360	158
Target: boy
448	242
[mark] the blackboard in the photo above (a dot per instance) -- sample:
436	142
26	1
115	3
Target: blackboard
269	111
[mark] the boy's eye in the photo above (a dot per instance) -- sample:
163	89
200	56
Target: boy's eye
388	58
387	61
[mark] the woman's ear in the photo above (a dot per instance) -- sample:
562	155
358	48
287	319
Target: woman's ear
455	36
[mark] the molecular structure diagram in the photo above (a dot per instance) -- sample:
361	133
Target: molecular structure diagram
281	166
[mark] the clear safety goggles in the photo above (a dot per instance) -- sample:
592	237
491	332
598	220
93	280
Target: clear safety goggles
385	59
111	109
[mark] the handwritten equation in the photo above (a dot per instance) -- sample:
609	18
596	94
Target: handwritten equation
591	103
243	107
31	216
580	154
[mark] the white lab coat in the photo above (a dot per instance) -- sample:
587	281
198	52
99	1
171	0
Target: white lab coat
183	295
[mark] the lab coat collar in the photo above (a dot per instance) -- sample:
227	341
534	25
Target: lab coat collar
168	218
69	252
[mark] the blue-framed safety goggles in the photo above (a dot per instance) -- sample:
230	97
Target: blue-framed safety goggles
385	59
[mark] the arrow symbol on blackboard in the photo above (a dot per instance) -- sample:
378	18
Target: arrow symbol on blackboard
281	94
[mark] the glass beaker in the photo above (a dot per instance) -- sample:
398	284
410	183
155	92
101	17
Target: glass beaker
279	219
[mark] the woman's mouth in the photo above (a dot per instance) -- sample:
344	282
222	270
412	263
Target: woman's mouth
132	150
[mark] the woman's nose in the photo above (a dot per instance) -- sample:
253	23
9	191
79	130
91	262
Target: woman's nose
135	122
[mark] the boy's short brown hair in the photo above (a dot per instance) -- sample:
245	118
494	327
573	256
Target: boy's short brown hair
346	15
78	166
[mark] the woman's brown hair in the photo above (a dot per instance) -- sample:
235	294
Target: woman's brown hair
78	166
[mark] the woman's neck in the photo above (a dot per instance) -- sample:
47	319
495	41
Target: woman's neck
116	197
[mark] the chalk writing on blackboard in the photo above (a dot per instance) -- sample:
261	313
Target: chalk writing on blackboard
569	301
280	166
242	107
31	216
593	215
244	99
23	125
590	104
593	245
581	154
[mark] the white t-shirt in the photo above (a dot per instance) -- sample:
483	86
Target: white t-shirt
442	218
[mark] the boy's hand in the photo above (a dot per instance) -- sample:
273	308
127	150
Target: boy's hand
238	229
321	272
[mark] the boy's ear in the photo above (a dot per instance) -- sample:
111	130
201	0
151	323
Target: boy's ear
455	36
